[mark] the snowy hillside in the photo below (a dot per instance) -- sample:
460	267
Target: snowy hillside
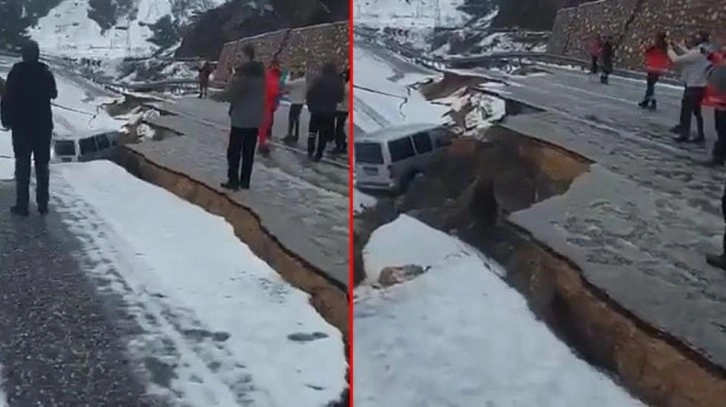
443	27
410	13
108	29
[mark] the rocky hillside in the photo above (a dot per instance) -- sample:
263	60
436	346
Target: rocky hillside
633	25
242	18
534	15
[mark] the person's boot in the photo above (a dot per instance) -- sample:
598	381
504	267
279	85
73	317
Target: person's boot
716	260
18	211
230	185
653	105
700	139
675	129
643	104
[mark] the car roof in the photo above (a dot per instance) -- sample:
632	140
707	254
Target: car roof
392	133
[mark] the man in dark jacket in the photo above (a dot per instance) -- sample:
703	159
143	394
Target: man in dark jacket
246	96
607	60
26	110
322	99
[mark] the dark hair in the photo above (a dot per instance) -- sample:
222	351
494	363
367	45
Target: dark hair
249	51
31	52
661	41
704	36
329	67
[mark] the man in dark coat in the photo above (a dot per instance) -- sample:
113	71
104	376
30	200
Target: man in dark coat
26	110
322	99
607	60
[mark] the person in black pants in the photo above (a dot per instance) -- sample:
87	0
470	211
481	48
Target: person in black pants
295	89
341	116
322	99
246	95
26	110
607	60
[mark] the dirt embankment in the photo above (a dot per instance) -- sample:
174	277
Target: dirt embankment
468	193
329	300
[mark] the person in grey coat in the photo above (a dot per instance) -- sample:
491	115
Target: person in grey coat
693	65
246	96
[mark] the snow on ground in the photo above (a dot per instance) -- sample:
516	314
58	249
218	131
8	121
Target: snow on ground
410	13
3	397
386	96
361	201
80	122
67	30
256	339
7	163
389	95
501	354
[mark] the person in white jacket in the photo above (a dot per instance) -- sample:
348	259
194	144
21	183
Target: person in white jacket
693	65
296	89
341	116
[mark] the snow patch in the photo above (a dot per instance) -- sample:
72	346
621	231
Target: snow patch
361	201
7	157
502	356
231	329
3	397
410	13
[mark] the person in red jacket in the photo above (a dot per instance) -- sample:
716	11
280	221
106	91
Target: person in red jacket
272	91
657	63
595	51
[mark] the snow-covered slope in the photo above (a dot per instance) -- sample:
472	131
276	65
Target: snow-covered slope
68	30
410	13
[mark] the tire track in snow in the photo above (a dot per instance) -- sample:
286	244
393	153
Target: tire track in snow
183	359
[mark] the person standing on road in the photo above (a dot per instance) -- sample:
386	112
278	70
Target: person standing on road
716	98
322	99
693	64
272	93
204	73
341	116
246	96
607	60
595	51
26	110
296	89
657	63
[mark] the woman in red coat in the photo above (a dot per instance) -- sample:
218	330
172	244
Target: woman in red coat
657	63
272	91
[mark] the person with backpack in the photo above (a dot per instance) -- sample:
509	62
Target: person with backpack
245	94
693	64
25	109
657	63
322	99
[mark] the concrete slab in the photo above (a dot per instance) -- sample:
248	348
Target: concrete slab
304	205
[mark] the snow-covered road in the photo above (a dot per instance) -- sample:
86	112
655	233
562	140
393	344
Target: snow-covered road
459	335
419	343
126	292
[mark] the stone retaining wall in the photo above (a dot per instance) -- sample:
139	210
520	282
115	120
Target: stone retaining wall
633	24
306	47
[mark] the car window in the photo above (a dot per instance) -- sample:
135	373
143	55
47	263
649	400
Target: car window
368	153
102	142
401	149
87	145
422	141
64	147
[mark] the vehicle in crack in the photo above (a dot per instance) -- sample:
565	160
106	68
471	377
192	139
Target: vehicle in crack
84	147
389	159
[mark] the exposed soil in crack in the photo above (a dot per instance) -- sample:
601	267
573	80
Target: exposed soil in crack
468	193
328	299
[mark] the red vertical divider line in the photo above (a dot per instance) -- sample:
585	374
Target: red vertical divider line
351	211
